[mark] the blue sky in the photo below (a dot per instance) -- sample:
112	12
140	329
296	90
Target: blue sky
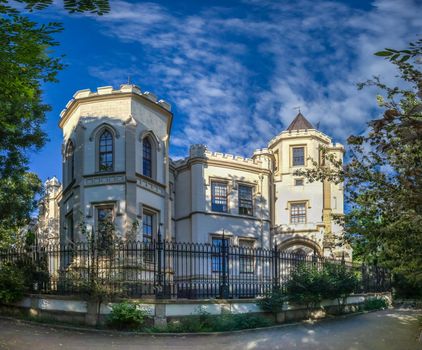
233	70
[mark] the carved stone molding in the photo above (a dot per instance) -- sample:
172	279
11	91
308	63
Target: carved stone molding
104	180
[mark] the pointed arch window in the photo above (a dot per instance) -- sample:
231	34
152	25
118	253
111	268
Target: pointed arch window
105	151
146	157
70	161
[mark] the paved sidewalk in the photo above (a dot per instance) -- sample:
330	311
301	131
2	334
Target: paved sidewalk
383	330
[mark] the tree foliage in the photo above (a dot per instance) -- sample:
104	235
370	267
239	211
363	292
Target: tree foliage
26	63
383	177
99	7
12	285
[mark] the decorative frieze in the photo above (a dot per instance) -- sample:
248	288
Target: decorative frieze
151	186
104	180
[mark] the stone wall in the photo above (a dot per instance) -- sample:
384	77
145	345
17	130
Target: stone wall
70	309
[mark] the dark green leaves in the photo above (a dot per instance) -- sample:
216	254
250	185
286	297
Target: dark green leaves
401	55
98	7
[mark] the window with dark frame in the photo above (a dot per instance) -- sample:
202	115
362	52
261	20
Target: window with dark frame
276	160
105	229
105	214
217	254
146	157
246	256
299	182
147	235
298	213
245	200
219	196
147	226
298	156
105	151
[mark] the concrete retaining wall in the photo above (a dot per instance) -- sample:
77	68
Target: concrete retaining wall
71	309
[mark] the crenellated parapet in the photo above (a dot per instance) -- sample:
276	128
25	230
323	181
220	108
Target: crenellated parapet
230	157
290	134
110	91
197	151
260	158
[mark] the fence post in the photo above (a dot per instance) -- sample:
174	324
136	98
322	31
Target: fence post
224	292
275	269
159	281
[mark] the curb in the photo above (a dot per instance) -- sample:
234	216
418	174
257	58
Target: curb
154	334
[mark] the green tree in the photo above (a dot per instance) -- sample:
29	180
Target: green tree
383	177
26	63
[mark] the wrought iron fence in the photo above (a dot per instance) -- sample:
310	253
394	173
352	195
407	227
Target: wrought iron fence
163	269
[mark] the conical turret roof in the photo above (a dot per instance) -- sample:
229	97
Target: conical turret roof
300	123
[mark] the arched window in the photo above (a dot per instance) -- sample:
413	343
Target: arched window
70	161
105	151
147	157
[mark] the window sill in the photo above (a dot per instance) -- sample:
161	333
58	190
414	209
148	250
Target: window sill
99	173
225	213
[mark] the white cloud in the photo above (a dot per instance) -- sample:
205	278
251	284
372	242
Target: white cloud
236	76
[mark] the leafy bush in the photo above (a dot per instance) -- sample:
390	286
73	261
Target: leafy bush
307	285
341	282
35	275
12	283
376	303
407	288
204	322
310	284
273	301
127	315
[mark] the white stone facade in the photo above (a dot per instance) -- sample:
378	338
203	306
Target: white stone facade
116	161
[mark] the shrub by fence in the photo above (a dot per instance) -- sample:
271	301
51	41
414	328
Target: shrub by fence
163	269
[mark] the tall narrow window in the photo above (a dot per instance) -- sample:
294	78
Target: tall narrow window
276	160
147	236
218	258
146	157
219	196
147	226
245	200
246	256
70	162
298	213
105	154
298	156
105	229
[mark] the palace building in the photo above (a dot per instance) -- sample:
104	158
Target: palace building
116	164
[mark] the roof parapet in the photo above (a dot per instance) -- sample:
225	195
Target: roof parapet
201	151
108	90
150	96
104	90
197	150
299	133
